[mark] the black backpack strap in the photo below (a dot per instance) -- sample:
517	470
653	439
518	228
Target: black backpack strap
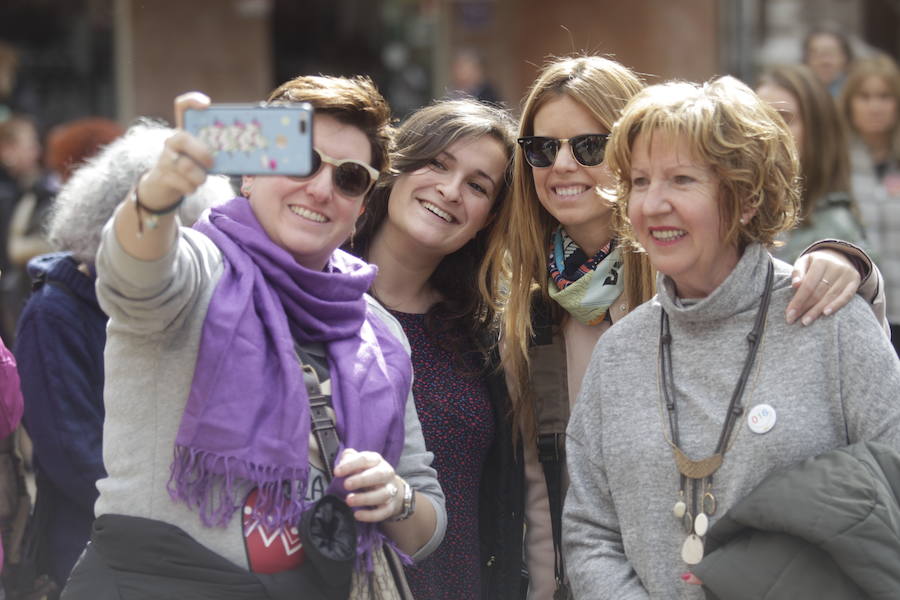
552	455
549	382
322	424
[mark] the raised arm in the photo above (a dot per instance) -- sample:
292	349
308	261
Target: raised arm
145	221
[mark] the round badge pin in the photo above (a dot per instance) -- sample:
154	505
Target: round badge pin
761	418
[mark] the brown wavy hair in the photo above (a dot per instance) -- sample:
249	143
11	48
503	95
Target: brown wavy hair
467	292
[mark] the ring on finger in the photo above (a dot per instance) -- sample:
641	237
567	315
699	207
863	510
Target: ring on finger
392	490
825	281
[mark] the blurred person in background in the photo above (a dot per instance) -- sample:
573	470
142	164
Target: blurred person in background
828	54
68	146
869	106
61	336
827	210
10	102
469	78
21	177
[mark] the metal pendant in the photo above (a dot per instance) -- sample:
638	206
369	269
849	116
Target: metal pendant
679	509
709	503
696	469
692	550
687	521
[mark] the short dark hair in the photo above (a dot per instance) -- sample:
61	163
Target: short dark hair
353	101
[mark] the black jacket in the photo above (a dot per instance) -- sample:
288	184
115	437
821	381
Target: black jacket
825	529
502	502
132	558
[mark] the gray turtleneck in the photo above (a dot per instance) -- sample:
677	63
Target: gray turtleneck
832	383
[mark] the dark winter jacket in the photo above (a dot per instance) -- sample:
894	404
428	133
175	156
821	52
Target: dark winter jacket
59	347
502	502
826	529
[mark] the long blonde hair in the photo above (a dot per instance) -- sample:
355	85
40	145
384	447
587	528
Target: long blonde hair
603	87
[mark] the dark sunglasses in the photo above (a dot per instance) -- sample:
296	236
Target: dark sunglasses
351	177
588	149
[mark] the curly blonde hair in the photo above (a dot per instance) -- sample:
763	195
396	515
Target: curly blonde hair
726	126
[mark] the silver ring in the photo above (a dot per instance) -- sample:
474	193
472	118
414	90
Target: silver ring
392	490
825	281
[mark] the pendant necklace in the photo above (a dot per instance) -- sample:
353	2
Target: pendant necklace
699	473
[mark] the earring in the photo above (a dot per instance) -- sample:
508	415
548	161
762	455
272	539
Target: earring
352	233
245	190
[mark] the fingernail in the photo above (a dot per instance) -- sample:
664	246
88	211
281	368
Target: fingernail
828	311
795	280
685	576
806	321
791	315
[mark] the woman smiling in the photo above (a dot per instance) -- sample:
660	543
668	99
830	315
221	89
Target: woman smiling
708	176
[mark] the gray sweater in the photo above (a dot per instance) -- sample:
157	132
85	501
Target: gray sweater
832	383
156	312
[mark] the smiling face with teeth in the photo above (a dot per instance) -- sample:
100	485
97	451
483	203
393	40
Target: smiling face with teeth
567	189
436	209
674	208
309	218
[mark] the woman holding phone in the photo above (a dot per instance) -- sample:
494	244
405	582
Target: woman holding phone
217	337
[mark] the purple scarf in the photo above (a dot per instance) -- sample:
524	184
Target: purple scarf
247	415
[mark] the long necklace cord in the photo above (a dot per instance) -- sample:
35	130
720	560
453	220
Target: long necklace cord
700	473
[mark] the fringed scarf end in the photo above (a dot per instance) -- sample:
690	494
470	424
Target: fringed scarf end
209	484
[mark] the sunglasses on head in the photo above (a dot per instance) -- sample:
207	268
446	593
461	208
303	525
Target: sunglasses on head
588	149
351	177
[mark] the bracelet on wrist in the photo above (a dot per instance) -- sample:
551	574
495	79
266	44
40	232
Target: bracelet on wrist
409	503
153	214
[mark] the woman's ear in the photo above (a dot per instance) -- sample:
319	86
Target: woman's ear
747	215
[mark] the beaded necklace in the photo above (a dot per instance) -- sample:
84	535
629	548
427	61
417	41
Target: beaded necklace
699	472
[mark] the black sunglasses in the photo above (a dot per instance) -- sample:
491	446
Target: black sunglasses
351	177
588	149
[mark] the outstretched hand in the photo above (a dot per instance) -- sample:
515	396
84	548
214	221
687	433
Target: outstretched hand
825	281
